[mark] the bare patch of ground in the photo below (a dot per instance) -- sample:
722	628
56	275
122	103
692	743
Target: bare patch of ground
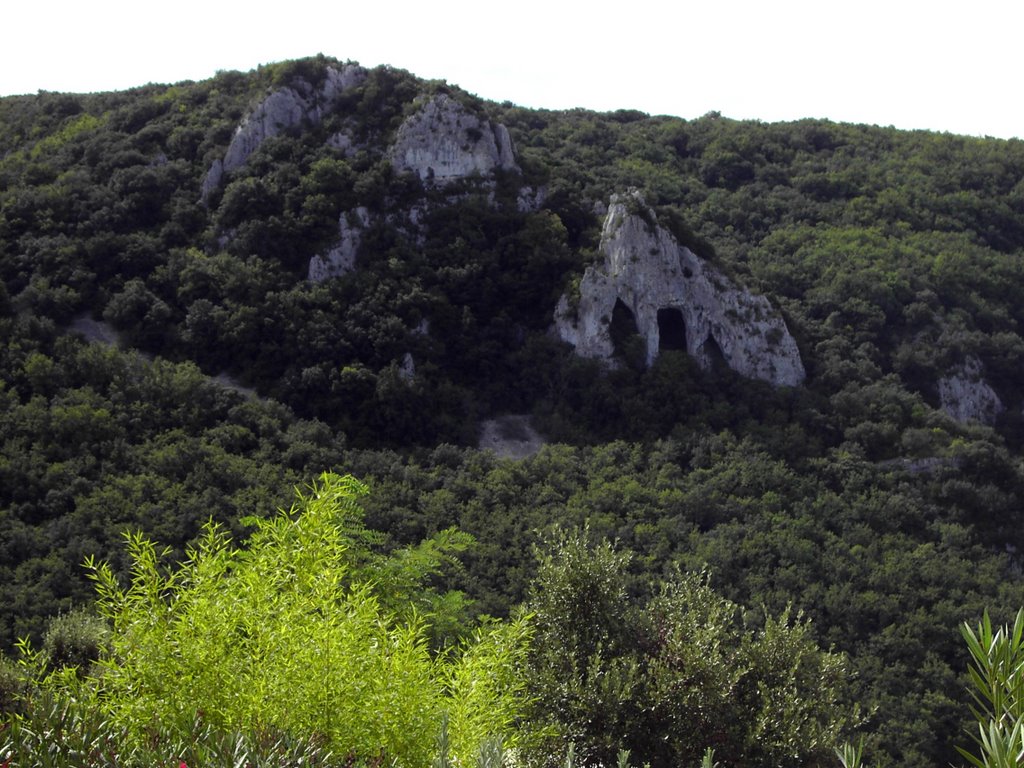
511	437
94	330
227	380
99	332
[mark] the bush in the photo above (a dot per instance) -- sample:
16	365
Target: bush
13	686
75	639
670	679
306	631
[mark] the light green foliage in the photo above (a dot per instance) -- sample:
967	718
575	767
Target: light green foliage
63	730
291	635
850	755
997	677
74	127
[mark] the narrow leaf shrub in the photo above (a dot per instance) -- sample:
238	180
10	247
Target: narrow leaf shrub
289	636
997	679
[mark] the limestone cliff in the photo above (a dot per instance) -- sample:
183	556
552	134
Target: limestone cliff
341	258
677	300
443	141
966	396
282	109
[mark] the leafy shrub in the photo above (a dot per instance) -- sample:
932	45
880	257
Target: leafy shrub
676	677
13	686
298	634
75	639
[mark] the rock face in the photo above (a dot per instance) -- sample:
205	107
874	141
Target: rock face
341	259
444	141
510	437
282	109
966	396
677	301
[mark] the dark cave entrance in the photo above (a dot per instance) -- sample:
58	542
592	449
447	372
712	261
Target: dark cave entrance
714	355
671	330
623	325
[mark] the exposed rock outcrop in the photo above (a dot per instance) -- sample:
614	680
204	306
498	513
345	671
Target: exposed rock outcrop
966	396
443	141
341	259
677	300
407	367
344	143
510	437
282	109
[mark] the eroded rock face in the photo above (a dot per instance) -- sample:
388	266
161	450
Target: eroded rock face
444	141
966	396
510	437
282	109
341	259
678	301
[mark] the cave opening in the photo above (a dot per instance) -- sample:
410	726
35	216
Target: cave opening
623	324
714	355
671	330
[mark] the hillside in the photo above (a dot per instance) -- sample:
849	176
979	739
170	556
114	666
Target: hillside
791	353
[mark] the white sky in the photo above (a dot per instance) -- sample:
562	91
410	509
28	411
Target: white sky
940	65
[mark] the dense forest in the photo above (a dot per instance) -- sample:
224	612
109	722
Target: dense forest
693	560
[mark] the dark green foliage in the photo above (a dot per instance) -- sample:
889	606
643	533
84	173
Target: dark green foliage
894	257
671	678
14	687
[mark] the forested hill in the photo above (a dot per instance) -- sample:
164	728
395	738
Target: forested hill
378	261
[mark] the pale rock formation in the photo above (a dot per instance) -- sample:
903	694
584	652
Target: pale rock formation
966	396
443	141
677	300
510	437
212	180
530	199
277	112
341	259
338	82
407	367
343	142
282	109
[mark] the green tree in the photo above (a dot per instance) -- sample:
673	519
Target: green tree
685	672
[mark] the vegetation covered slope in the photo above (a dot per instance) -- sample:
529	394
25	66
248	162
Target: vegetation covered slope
896	258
